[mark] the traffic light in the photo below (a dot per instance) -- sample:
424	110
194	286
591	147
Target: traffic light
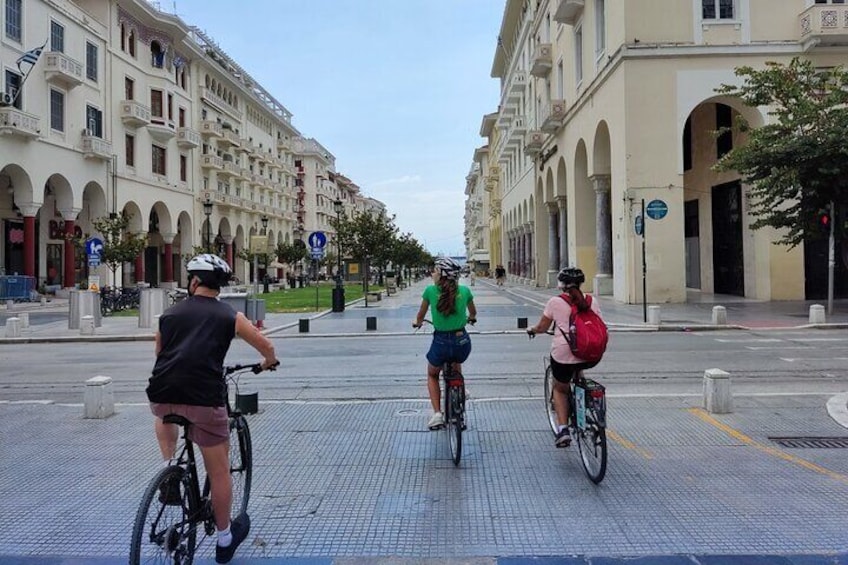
824	220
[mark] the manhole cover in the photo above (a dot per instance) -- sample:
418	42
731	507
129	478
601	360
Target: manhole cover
811	442
408	412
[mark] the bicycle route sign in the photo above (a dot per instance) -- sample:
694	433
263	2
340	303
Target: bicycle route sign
93	248
317	240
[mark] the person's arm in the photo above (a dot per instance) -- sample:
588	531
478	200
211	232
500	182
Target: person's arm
249	333
158	343
472	312
541	326
419	318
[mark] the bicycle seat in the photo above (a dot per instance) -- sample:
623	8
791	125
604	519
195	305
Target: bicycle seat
176	419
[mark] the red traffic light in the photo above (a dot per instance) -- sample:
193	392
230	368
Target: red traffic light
824	220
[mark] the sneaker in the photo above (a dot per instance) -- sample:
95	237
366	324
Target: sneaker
437	421
563	438
169	492
239	527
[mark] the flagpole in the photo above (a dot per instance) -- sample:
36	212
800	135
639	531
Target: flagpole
26	76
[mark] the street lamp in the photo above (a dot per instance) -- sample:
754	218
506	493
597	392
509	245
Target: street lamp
339	291
264	220
207	209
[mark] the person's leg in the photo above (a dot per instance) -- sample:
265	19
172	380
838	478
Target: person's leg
216	459
166	435
561	390
433	387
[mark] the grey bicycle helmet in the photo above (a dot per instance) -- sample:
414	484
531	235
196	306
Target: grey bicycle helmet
571	277
212	271
448	268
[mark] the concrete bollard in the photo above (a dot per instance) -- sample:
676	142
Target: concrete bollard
44	301
156	323
718	398
24	318
10	304
87	325
654	315
13	327
719	316
99	399
817	314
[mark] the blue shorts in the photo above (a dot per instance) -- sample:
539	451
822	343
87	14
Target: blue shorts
449	346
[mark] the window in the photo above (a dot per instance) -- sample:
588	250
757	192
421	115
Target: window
123	37
578	55
129	88
129	150
687	145
57	110
600	28
93	121
717	9
184	168
13	20
157	55
156	104
91	61
182	115
159	160
724	119
57	37
131	43
13	86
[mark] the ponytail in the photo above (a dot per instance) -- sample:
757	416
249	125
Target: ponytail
578	298
447	297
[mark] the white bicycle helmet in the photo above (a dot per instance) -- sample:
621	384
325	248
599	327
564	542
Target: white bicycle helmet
448	268
212	271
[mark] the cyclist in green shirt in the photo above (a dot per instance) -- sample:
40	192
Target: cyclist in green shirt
448	302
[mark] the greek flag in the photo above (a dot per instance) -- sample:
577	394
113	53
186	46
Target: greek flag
30	57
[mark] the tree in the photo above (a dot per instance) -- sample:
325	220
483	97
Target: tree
798	165
366	237
119	246
291	253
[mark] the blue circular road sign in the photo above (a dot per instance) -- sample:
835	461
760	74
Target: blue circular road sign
656	209
317	239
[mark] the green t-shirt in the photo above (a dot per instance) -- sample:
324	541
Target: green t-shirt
456	320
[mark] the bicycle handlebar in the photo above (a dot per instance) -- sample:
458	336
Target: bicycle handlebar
471	321
255	368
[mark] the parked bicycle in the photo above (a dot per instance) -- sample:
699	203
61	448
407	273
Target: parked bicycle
586	418
453	407
115	300
173	507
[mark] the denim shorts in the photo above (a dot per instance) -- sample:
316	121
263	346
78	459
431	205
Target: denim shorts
449	346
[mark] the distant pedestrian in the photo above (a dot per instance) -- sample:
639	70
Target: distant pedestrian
473	277
500	274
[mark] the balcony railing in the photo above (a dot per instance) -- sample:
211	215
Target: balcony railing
517	86
161	129
134	113
534	142
16	123
62	70
209	128
212	162
568	11
542	61
94	147
552	115
188	138
212	98
825	24
230	138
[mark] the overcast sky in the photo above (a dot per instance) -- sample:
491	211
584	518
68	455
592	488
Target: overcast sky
395	89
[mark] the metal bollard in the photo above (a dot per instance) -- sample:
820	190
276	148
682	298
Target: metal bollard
719	316
371	323
522	323
654	315
87	325
13	327
99	400
718	398
817	314
303	326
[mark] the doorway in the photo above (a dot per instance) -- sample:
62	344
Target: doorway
691	233
728	255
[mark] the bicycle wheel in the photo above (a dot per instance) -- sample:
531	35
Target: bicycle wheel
164	533
453	421
241	465
592	443
549	400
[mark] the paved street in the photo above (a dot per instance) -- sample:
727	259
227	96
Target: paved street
346	473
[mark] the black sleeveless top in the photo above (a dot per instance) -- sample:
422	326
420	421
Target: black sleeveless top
195	336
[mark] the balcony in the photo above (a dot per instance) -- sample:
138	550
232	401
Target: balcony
229	170
517	87
517	131
94	147
161	130
214	100
568	11
542	61
134	114
16	123
211	129
229	139
283	144
188	138
824	25
552	115
211	162
61	70
534	142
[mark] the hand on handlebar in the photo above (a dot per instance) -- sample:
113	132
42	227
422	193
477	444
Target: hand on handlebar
472	321
531	333
266	366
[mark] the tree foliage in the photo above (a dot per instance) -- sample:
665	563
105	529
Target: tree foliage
797	164
290	253
119	245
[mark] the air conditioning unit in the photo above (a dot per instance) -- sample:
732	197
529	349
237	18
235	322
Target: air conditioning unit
5	99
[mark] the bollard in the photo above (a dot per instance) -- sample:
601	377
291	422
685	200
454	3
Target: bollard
371	323
99	401
522	323
87	325
303	325
718	399
24	318
13	327
817	314
44	301
654	315
156	323
10	304
719	316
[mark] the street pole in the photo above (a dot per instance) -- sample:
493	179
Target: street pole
644	268
831	258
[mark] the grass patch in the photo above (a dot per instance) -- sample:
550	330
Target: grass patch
303	299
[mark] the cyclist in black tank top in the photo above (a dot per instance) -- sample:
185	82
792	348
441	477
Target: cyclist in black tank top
191	344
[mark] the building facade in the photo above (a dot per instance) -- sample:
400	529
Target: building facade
609	104
130	110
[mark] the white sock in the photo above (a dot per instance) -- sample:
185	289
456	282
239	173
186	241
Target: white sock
225	537
166	463
561	428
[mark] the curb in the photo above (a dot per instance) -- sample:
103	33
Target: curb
837	407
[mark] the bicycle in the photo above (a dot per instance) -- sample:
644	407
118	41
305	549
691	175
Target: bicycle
167	520
454	406
586	419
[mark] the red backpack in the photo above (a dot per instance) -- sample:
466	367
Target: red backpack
587	333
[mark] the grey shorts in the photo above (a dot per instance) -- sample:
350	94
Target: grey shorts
210	425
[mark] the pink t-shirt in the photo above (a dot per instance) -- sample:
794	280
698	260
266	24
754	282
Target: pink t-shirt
559	311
